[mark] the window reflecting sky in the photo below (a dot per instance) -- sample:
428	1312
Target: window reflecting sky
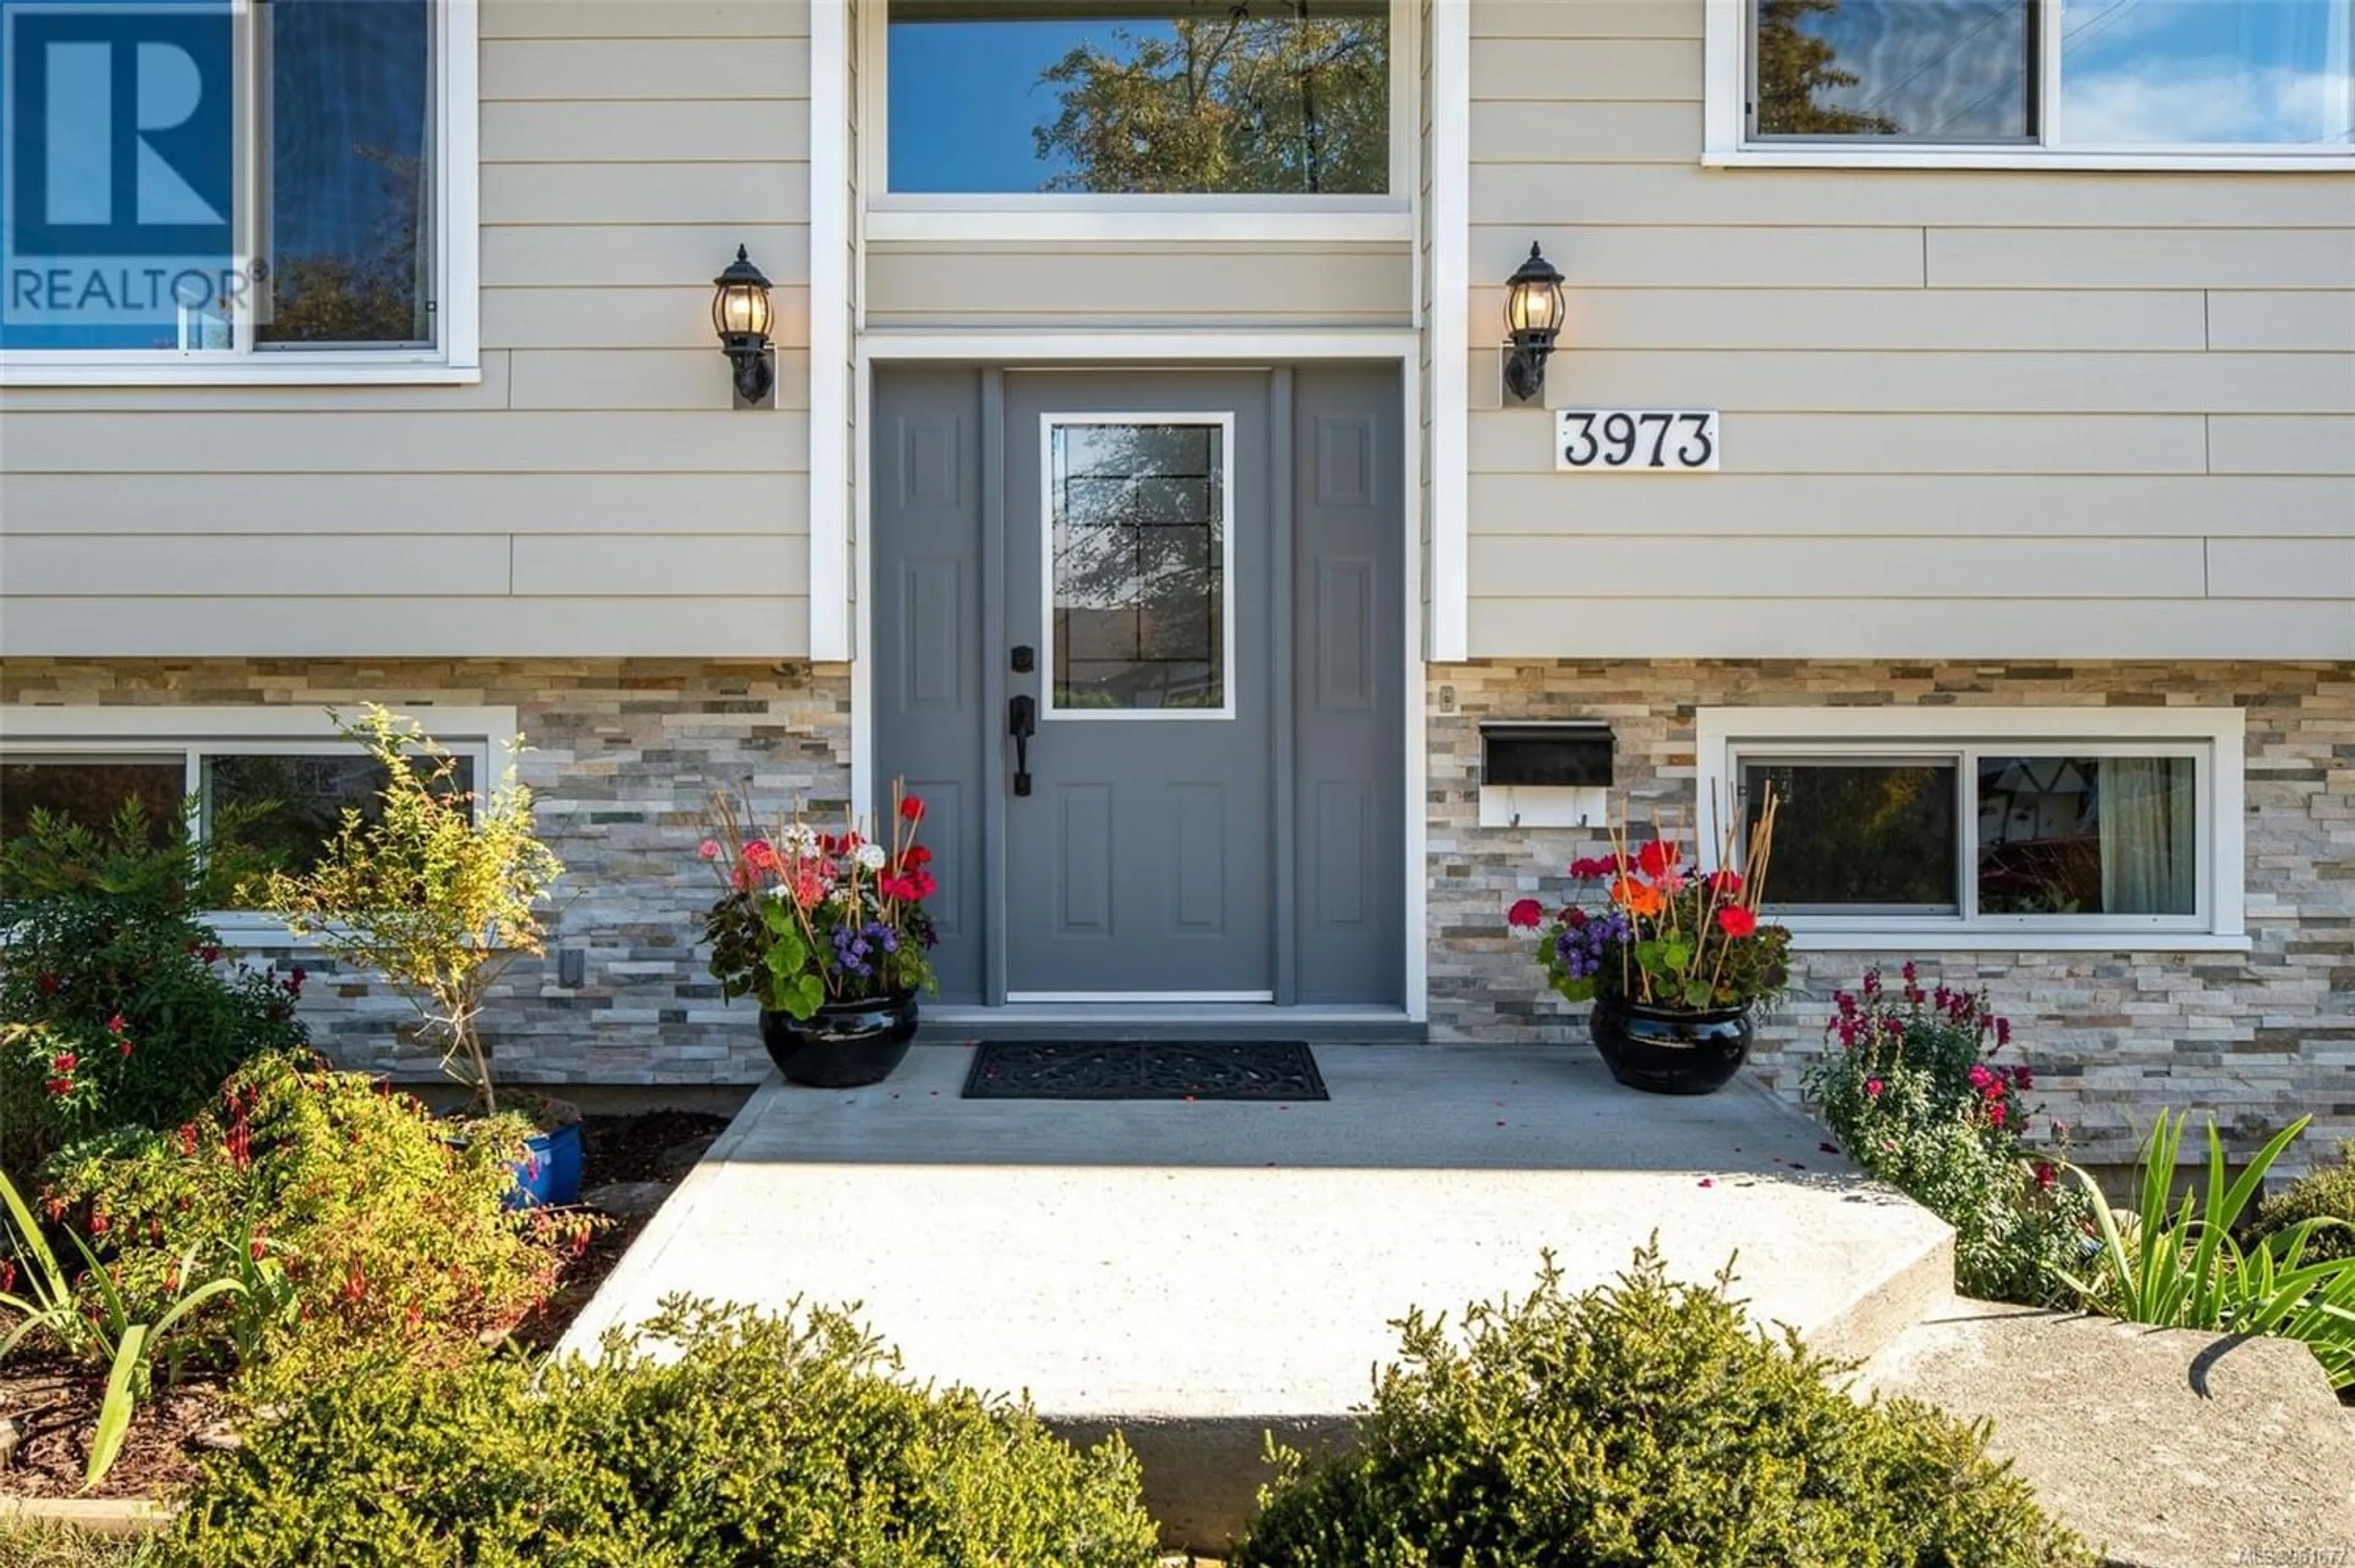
2141	71
1139	96
2134	72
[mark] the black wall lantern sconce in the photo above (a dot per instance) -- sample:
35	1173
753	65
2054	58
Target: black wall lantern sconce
740	314
1533	308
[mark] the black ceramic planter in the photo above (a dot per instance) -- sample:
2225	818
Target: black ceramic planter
844	1044
1670	1051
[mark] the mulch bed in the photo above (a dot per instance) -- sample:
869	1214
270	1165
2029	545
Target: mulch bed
630	1149
54	1402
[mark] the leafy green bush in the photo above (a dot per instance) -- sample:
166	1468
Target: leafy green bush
2177	1266
785	1442
117	1006
1914	1094
344	1207
1641	1425
2328	1194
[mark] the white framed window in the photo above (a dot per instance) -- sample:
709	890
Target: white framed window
1076	119
2200	84
286	774
2063	829
238	191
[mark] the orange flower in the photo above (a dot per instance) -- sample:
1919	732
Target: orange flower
1637	898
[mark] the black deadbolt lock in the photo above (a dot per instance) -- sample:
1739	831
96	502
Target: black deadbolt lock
1025	658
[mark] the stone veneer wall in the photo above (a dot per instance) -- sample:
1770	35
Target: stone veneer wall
2257	1037
624	755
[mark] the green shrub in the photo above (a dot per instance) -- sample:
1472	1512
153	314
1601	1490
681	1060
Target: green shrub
1641	1425
349	1210
785	1442
117	1006
2327	1193
1916	1095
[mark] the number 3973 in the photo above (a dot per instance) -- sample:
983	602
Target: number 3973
1635	441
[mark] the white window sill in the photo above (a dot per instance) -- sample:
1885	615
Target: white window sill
2028	158
1898	940
1019	220
245	373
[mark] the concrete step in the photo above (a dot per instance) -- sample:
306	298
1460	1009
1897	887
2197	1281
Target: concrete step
1196	1276
2167	1449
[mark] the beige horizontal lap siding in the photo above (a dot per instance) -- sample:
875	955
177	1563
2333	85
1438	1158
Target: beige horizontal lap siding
595	494
2066	414
1065	284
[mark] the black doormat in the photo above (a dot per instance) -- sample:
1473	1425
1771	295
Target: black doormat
1153	1069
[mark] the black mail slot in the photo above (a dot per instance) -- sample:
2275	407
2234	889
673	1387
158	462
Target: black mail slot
1578	755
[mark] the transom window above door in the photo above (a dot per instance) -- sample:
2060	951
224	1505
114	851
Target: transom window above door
1283	108
2261	84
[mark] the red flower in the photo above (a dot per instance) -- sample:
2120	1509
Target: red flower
49	983
60	1086
761	855
1658	857
924	884
64	1061
1527	914
1995	1113
710	849
1873	1088
1725	884
7	1275
98	1223
211	953
125	1045
1735	920
1592	869
115	1024
2045	1175
911	809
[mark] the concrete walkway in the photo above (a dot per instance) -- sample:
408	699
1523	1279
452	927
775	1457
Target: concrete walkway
1195	1275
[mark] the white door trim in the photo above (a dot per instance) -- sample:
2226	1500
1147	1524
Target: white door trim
1137	351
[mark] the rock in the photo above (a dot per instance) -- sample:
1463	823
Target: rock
2164	1447
221	1438
11	1436
628	1199
680	1158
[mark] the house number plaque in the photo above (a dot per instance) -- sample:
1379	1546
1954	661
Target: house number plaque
1635	441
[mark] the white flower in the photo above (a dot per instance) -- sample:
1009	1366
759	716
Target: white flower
872	857
803	838
780	891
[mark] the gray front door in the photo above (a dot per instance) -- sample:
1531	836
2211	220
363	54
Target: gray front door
1138	541
1195	581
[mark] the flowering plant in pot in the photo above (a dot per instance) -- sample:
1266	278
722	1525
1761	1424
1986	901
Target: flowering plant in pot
827	932
1673	958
